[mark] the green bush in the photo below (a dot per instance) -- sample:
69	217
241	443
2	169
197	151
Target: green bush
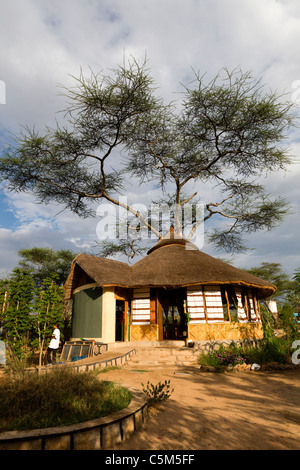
223	357
287	322
270	350
158	393
59	397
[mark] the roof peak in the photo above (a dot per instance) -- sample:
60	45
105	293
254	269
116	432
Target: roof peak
172	238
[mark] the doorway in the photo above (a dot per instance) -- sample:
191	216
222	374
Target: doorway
120	320
174	320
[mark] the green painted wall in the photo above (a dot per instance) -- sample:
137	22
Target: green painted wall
87	313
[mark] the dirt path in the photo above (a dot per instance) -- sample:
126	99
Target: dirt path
211	411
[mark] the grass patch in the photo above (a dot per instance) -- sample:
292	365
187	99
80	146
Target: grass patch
60	397
101	370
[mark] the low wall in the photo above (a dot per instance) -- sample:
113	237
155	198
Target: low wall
203	331
93	364
224	331
212	346
97	434
114	361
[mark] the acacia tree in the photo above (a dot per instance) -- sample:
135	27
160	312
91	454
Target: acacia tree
217	139
273	273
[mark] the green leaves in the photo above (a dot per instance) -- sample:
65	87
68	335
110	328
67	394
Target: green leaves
45	262
30	311
158	393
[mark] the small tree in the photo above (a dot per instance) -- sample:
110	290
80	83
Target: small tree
294	294
3	302
45	262
18	319
49	308
273	273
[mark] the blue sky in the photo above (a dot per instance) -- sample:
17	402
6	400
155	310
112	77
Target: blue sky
44	43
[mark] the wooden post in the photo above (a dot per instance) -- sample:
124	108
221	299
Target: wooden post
204	304
259	310
153	308
160	320
246	306
228	306
255	304
126	321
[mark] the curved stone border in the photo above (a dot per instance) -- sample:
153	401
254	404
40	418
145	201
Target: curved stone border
114	361
89	366
96	434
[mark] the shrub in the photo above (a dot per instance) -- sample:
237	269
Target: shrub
158	393
272	349
223	357
227	357
60	397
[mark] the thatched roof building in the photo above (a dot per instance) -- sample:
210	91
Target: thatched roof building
175	284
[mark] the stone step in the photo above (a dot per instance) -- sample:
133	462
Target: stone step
155	356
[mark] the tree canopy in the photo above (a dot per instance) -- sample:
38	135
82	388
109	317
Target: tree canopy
211	146
273	273
46	263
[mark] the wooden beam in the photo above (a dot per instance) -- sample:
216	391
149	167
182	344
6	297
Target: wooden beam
255	304
126	321
204	304
246	306
159	320
228	306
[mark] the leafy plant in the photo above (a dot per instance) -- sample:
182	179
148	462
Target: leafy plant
18	355
227	357
49	310
287	322
223	357
60	397
158	393
18	319
272	349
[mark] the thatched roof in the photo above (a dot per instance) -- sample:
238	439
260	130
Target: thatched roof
105	272
172	263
